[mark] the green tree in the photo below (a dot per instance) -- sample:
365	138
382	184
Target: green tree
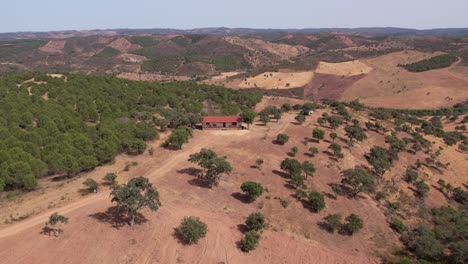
213	166
91	184
333	136
332	222
191	229
110	178
297	180
282	139
336	148
421	188
56	221
264	119
135	195
411	175
318	134
294	150
292	166
255	221
316	201
308	169
359	179
252	189
250	241
248	117
180	136
423	243
300	119
313	151
259	162
397	225
355	132
353	224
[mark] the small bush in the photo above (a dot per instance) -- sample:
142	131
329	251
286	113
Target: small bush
255	221
110	178
332	222
282	139
250	241
397	225
191	230
252	189
91	184
316	201
353	224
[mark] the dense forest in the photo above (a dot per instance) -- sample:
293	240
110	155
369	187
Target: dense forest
71	124
437	62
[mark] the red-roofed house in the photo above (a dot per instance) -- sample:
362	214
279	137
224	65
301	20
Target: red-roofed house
222	122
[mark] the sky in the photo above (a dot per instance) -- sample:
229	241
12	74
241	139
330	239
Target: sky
48	15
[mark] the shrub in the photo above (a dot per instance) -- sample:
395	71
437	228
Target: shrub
411	175
353	224
252	189
294	150
421	188
332	222
422	242
300	118
282	139
318	134
91	184
255	221
316	201
110	178
397	225
313	151
250	241
191	230
380	195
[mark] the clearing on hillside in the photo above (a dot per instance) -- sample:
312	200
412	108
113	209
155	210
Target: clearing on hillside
278	80
348	68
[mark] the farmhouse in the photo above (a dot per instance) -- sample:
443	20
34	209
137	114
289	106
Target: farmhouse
222	122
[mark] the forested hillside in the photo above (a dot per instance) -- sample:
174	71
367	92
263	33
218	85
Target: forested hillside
73	123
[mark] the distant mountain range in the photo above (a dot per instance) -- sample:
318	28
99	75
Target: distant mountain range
452	32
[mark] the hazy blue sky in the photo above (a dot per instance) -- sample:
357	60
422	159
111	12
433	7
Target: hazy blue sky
42	15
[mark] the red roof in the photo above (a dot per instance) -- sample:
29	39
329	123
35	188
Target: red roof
221	119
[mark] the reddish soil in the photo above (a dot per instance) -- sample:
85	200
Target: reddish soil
54	46
123	45
97	234
329	86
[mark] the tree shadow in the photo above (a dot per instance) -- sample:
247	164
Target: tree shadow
325	226
290	154
242	228
117	217
198	182
307	154
48	231
192	171
241	197
289	186
281	174
330	196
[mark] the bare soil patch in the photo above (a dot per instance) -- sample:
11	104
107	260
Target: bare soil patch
348	68
278	80
54	46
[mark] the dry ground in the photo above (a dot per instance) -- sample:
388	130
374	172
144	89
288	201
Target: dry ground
348	68
96	233
278	80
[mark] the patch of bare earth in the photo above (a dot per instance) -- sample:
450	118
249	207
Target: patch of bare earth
394	87
123	45
329	86
277	80
54	46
